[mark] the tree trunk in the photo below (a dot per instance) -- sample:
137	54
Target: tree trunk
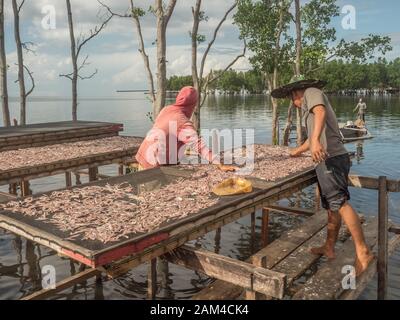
274	104
299	125
3	71
74	63
195	75
21	76
161	59
289	123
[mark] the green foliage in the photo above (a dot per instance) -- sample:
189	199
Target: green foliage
230	81
176	83
257	22
355	75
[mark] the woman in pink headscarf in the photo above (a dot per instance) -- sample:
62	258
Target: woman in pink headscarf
172	133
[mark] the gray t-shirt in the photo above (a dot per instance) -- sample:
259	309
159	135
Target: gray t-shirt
331	138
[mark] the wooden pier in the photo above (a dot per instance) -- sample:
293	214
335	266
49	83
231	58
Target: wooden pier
279	270
47	134
40	134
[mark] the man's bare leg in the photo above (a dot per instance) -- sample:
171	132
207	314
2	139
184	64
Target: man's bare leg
363	253
334	224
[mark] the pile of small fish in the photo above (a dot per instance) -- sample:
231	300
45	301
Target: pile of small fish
13	159
113	212
269	163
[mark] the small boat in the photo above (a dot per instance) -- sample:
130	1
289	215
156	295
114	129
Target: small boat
351	131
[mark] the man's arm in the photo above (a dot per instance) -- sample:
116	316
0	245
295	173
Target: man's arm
357	106
317	150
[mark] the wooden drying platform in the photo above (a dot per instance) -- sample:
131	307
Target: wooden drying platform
273	272
40	134
91	162
290	255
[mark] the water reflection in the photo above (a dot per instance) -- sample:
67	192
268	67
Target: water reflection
20	260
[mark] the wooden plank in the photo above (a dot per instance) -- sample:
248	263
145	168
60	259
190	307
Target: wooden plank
271	256
383	220
233	271
64	284
364	279
152	280
372	183
265	227
326	283
68	179
295	210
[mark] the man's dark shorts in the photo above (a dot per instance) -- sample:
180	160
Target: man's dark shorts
333	176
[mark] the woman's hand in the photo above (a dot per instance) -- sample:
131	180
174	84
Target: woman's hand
226	168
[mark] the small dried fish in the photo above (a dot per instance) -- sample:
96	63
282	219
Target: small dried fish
113	212
34	156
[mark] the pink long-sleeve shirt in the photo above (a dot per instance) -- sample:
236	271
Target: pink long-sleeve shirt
172	132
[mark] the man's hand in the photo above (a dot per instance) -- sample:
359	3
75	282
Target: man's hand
318	152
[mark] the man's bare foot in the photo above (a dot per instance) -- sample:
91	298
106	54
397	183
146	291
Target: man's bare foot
324	251
362	264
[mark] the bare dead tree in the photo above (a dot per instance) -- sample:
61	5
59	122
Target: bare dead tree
200	82
77	45
289	121
21	67
3	71
163	14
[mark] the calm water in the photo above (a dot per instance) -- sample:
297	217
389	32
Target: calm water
20	261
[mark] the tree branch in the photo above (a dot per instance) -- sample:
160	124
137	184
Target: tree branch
32	81
170	10
203	60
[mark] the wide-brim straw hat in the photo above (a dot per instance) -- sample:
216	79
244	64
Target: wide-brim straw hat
297	83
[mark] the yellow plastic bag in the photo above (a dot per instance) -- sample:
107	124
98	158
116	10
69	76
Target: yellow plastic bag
233	186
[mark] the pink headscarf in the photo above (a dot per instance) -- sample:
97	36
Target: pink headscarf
172	124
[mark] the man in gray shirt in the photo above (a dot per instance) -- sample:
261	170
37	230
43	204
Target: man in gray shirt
362	108
332	165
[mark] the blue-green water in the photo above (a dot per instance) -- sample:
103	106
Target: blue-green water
20	261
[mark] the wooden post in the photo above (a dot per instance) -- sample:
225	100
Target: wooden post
12	189
382	239
264	228
68	179
25	188
217	240
253	295
317	199
121	170
253	231
93	172
152	280
78	179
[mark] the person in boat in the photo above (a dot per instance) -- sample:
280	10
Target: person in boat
362	108
332	164
173	133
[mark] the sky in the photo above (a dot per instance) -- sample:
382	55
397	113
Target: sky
114	53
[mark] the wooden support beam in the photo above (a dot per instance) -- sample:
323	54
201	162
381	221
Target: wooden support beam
233	271
121	170
253	231
395	228
64	284
264	226
272	255
295	210
152	280
25	188
317	199
383	220
68	179
93	172
373	183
